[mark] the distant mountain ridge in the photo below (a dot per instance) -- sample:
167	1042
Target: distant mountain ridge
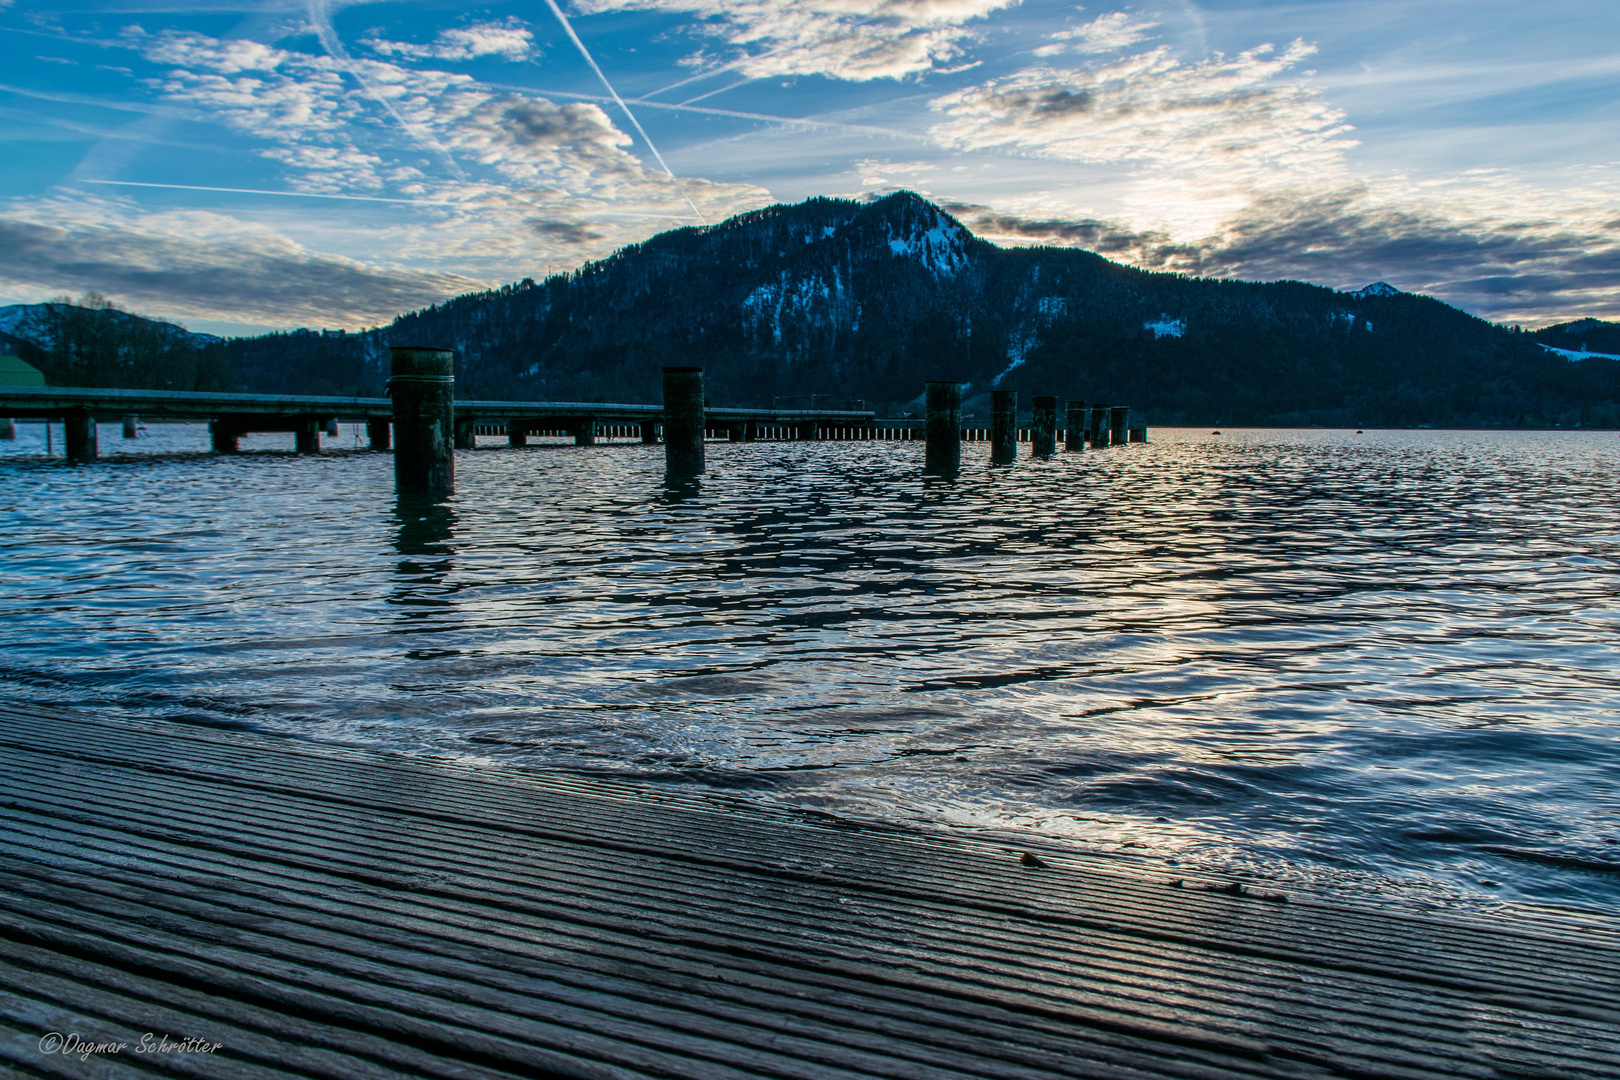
870	299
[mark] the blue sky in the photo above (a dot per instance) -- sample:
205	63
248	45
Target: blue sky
241	165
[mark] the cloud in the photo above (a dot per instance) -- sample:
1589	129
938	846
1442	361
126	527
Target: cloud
1226	117
511	40
1487	244
1113	32
203	265
854	40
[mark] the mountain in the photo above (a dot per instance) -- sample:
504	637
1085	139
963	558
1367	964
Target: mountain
94	343
871	299
1582	337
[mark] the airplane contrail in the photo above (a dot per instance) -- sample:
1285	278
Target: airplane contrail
568	28
320	16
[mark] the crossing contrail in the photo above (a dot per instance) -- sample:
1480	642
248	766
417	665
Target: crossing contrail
568	28
320	16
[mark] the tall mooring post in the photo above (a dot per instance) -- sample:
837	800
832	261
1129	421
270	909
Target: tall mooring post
1074	431
942	452
683	420
79	435
1043	428
422	385
378	434
1098	433
1119	420
1003	427
132	426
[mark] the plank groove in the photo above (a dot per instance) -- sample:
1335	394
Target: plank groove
333	913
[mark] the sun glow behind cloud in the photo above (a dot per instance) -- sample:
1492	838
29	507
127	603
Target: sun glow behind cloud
489	152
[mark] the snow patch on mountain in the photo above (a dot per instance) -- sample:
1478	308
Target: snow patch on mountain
943	248
1377	288
1582	354
1165	326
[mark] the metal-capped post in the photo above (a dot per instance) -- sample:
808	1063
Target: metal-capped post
422	384
1003	427
1074	433
943	450
1043	427
683	420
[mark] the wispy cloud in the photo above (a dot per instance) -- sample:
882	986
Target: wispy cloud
1111	32
855	40
509	39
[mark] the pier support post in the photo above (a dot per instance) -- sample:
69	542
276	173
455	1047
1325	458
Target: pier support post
132	426
1098	434
649	432
378	434
8	429
585	432
466	436
1003	427
1119	418
79	435
423	388
1074	434
943	450
223	437
1043	428
683	420
307	435
517	433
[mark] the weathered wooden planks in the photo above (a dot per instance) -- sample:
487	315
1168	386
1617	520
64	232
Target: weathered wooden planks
323	912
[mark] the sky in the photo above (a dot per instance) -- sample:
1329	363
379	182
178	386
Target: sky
239	166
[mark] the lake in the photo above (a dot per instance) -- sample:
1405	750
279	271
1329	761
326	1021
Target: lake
1381	665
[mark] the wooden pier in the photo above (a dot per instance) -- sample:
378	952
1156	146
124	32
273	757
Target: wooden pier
311	911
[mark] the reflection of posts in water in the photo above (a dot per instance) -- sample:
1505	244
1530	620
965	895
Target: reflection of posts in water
1003	427
683	421
1043	428
942	453
679	487
425	529
423	388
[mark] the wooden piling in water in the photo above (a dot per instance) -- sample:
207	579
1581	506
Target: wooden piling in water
649	432
79	435
378	434
1118	422
942	452
1074	434
8	429
585	432
1098	429
422	385
683	421
517	433
1003	427
331	428
1043	428
132	427
1139	433
306	435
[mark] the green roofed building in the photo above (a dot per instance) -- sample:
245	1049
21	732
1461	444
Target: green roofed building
15	371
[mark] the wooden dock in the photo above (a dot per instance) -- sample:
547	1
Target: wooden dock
320	912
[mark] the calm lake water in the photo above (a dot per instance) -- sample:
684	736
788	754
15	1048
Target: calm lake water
1383	665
